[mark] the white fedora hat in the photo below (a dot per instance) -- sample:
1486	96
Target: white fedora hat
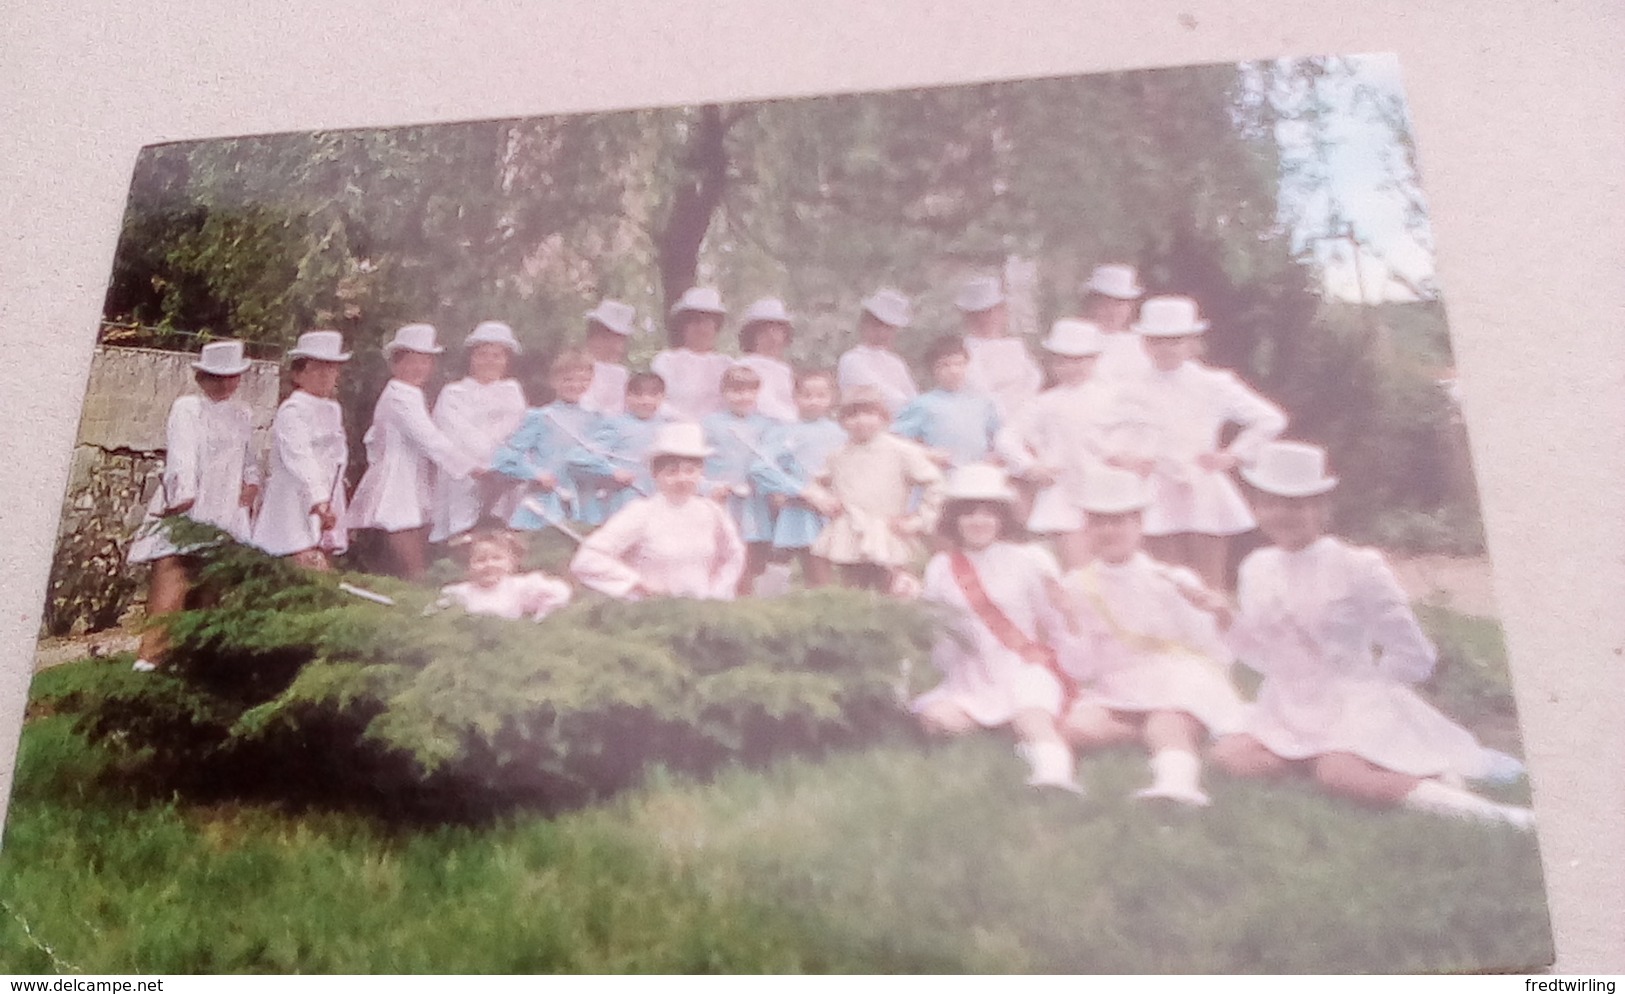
1109	490
1115	280
414	338
1068	337
492	333
766	309
1169	317
326	346
1290	469
684	438
979	481
222	359
701	300
980	293
614	315
889	307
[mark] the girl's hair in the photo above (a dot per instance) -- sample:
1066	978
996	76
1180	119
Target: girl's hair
569	361
740	376
645	383
946	345
200	377
1092	298
298	364
507	542
845	411
659	463
747	334
804	376
948	523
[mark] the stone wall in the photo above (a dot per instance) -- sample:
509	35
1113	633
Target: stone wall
117	462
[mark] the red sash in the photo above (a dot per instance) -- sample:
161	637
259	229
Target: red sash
1009	635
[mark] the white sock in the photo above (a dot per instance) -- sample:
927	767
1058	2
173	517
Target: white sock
1176	768
1051	763
1442	798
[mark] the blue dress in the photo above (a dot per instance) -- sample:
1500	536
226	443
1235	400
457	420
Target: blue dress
736	441
798	452
961	423
544	443
621	443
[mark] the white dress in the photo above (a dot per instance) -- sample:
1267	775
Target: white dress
1331	631
520	595
1174	417
207	460
693	381
396	493
1066	429
777	399
1122	357
607	392
866	366
688	549
1002	370
1143	647
477	418
308	457
980	675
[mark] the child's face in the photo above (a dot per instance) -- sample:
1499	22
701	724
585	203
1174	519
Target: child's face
644	404
1112	314
1167	353
487	362
571	383
489	563
413	368
740	398
949	371
319	379
1071	370
814	397
700	331
1290	522
877	333
218	388
772	338
978	527
1113	537
679	479
991	323
604	345
863	423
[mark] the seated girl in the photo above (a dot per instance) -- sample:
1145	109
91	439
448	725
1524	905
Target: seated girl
1328	626
998	668
495	586
674	544
1148	658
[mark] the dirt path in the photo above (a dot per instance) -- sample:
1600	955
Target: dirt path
1461	583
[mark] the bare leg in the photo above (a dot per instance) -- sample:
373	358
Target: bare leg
409	549
755	562
166	594
1090	726
1046	752
1241	755
943	718
1350	776
816	571
313	559
1172	730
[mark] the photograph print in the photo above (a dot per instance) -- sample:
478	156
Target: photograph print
1023	527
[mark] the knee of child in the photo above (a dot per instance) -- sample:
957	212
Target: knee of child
1244	756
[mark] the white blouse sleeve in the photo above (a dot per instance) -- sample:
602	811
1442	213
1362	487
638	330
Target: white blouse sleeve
183	457
601	562
413	417
291	435
1261	420
543	594
1407	655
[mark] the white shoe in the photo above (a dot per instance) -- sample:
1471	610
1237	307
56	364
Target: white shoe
142	666
1051	767
1190	796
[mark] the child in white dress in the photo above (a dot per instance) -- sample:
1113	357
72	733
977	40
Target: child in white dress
1330	629
872	363
998	667
874	536
692	367
764	338
477	413
1000	368
1111	302
609	327
1148	658
210	476
396	493
303	511
1182	406
494	585
677	543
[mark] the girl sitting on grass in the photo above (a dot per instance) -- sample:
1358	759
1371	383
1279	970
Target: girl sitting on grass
998	668
1330	629
494	585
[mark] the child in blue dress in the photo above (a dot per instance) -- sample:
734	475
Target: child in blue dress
539	451
956	426
797	454
615	465
736	434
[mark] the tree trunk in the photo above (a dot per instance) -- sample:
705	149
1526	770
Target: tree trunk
699	192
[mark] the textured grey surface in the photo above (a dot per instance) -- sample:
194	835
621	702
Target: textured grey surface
1517	107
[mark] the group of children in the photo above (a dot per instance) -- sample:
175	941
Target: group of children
696	478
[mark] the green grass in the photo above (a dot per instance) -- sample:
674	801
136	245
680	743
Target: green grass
904	857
